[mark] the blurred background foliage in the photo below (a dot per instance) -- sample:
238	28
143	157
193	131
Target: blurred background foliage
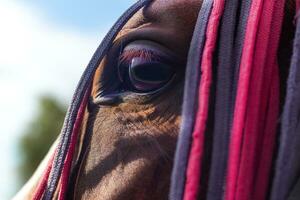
40	134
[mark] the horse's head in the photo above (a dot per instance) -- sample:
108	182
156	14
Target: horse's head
134	112
130	127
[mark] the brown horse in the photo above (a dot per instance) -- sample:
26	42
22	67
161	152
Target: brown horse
132	138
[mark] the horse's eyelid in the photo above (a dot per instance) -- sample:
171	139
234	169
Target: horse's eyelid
127	56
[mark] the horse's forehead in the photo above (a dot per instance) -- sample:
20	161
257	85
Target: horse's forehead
175	3
185	9
167	12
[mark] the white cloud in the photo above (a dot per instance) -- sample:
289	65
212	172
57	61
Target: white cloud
36	57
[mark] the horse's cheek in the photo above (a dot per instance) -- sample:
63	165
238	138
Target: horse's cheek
131	150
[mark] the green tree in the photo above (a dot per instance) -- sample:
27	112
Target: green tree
40	134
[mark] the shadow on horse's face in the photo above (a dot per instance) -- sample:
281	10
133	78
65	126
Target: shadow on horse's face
133	116
134	112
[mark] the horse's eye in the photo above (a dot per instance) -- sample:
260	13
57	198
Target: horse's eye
145	66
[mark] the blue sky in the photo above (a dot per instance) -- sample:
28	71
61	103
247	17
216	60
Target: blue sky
45	46
88	15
